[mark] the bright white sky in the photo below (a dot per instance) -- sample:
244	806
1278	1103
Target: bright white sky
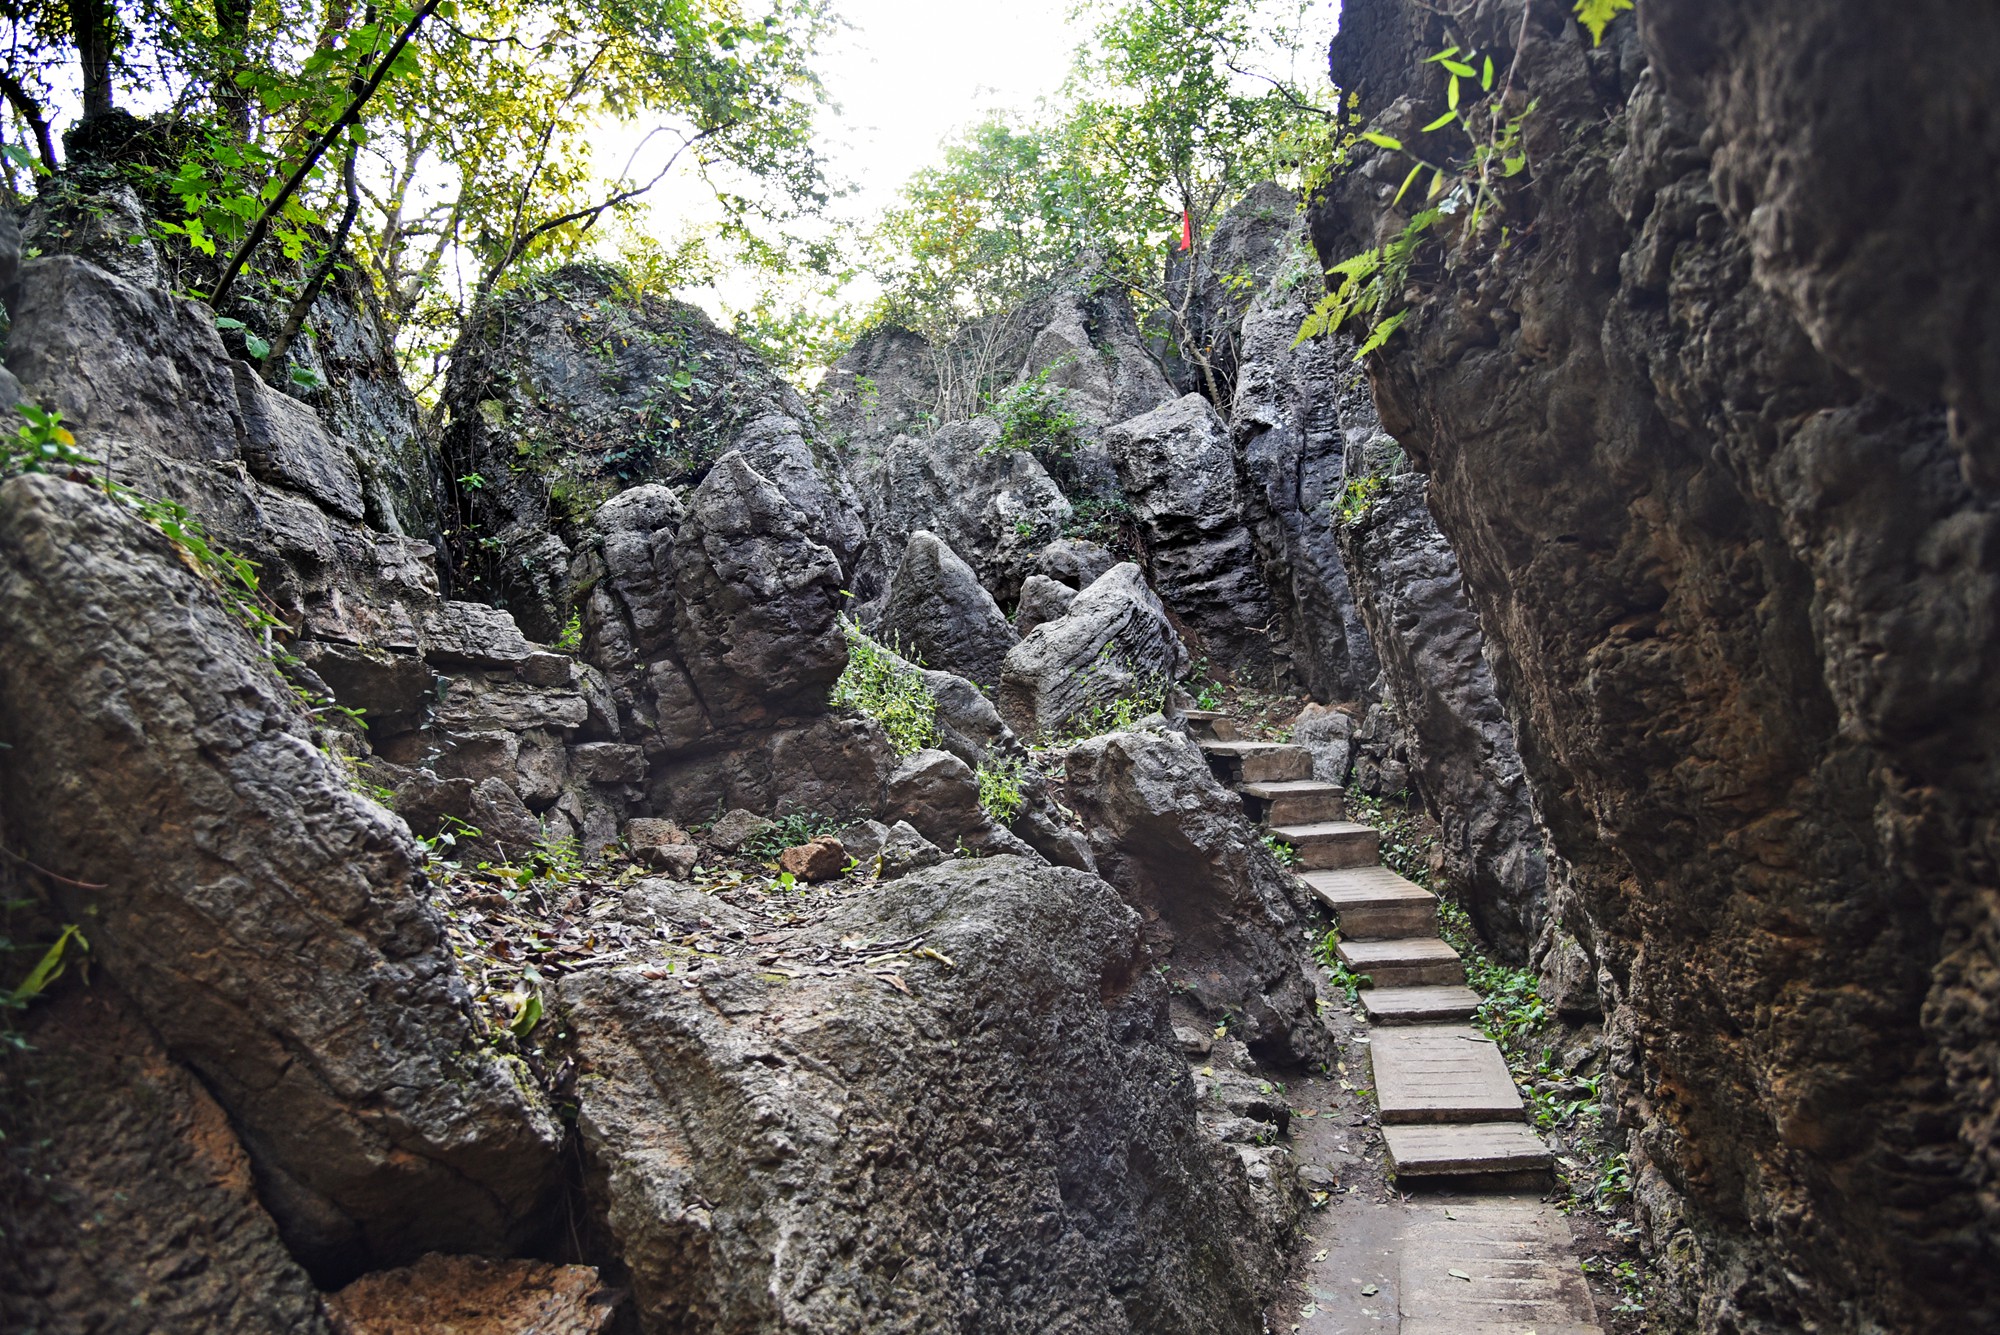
905	75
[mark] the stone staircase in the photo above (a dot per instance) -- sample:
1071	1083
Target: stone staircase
1450	1113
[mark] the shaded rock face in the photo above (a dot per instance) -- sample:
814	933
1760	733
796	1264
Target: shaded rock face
128	1206
1042	600
469	1295
1298	416
815	1155
1456	733
1216	904
1114	642
995	508
883	387
1240	259
245	900
1720	484
937	610
577	392
1178	475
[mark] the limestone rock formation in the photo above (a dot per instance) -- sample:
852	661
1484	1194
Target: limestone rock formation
470	1295
1300	417
247	901
1042	600
995	508
126	1205
814	1154
1175	844
1715	457
1115	642
1077	562
937	611
1456	733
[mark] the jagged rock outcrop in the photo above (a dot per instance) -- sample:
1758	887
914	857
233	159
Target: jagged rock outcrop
1077	562
1714	453
1115	642
1179	477
126	1204
1042	600
1175	844
1457	737
937	612
1237	262
1302	423
882	387
574	391
270	923
995	508
838	1154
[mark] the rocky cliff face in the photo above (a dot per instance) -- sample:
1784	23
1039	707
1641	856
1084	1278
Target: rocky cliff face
1713	441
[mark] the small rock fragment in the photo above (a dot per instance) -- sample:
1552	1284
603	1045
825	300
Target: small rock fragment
737	828
905	851
819	859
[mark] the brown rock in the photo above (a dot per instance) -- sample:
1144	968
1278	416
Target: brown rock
820	859
470	1295
661	845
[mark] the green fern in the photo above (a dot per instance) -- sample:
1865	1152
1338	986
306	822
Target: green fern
1596	15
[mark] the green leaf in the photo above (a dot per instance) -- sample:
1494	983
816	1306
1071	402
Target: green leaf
526	1018
258	347
1445	54
226	322
1407	180
1486	76
1382	140
1451	94
1381	332
1441	121
49	969
1596	15
1462	70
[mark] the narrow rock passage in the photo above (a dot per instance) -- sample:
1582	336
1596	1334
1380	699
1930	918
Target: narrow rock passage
1478	1251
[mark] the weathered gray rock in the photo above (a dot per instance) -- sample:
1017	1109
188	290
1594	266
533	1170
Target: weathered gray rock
287	445
1715	461
904	851
737	827
937	611
756	600
1179	476
1461	746
1077	562
1116	641
1329	734
573	392
1010	1145
1042	599
1302	422
937	793
251	906
883	387
126	1204
1176	845
995	508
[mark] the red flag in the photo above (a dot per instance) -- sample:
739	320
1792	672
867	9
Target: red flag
1187	230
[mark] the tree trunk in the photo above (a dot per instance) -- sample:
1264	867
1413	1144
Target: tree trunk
92	22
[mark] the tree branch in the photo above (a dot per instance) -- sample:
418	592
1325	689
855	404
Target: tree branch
30	111
352	115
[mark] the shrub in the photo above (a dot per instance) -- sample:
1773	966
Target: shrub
1000	788
879	683
1035	415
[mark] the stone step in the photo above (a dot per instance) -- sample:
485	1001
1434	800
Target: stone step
1258	762
1418	1005
1406	961
1374	903
1331	844
1473	1149
1430	1074
1209	726
1294	802
1490	1265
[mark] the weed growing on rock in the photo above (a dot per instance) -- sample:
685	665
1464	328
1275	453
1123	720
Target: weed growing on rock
1286	855
1000	787
789	831
1035	416
1327	951
1356	497
880	683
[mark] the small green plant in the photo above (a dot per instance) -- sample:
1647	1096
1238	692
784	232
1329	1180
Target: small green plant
42	444
1286	855
1327	951
1035	415
1356	497
571	639
880	683
1000	787
789	831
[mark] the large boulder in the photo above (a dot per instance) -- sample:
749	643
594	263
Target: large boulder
1455	730
1179	476
999	1136
575	389
995	508
1301	423
270	923
1176	845
126	1204
1115	642
937	611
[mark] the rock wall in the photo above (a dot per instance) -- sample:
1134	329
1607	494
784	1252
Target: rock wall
1713	442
